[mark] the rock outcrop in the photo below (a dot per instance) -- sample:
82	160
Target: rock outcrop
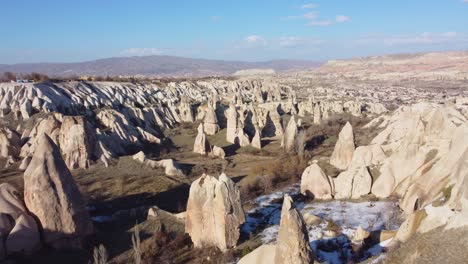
52	196
210	122
256	140
171	168
10	143
353	183
315	183
18	230
77	141
231	127
293	241
289	137
344	148
264	254
214	212
201	145
218	152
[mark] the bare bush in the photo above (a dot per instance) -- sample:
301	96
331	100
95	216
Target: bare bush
136	245
100	255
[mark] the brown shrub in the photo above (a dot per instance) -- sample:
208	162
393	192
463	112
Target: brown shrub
270	175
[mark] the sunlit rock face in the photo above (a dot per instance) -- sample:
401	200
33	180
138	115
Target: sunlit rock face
201	145
52	196
344	148
293	241
315	183
19	233
214	212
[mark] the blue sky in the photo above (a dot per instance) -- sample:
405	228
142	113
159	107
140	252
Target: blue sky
67	31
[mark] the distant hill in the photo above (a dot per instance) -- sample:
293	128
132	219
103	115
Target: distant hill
155	66
432	65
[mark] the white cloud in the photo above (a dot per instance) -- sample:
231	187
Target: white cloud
310	5
289	42
254	39
321	23
311	15
216	18
142	51
341	18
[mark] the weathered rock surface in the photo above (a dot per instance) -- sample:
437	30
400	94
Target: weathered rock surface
293	241
231	127
344	148
289	137
10	143
210	122
171	168
214	212
264	254
353	183
218	152
77	142
18	230
201	145
315	183
51	194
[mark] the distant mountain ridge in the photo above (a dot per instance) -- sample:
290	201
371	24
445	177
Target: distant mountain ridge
155	65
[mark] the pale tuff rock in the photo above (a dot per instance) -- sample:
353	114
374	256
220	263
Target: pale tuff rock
210	122
264	254
18	230
76	142
344	148
293	241
311	219
25	163
9	201
376	108
326	115
49	126
360	234
218	152
201	145
317	115
354	108
368	156
10	143
459	195
186	111
435	217
426	141
24	237
231	119
353	183
256	140
273	123
156	212
171	168
443	172
409	226
26	109
315	183
242	138
51	194
289	137
214	212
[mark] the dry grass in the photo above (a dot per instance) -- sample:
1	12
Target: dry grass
267	176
